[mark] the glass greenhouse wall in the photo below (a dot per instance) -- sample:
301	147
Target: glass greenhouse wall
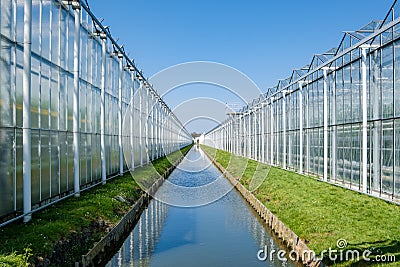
337	118
66	86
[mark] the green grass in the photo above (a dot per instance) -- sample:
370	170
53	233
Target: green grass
321	213
15	259
148	174
75	215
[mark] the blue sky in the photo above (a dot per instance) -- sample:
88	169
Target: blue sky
263	39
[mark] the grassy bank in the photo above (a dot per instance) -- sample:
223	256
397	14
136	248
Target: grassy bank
321	213
61	233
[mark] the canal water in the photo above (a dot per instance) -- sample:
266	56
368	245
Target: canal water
179	229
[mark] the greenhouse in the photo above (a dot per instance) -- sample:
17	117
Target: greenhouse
336	118
66	86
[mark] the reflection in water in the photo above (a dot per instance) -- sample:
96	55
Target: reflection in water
139	245
226	232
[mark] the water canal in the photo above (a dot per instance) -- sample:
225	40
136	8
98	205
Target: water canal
181	230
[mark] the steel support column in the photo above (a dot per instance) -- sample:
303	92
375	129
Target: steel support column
272	129
334	129
276	131
289	136
255	134
141	123
102	112
249	135
121	156
308	145
284	128
301	126
262	132
325	96
239	135
376	133
152	128
76	131
131	117
364	108
26	111
147	121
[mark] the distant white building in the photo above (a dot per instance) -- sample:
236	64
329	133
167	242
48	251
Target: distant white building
200	139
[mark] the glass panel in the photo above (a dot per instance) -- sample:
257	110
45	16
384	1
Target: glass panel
347	95
19	93
35	165
70	159
6	18
70	56
355	92
356	155
7	169
397	159
45	98
19	26
55	32
397	78
35	26
63	104
89	107
387	157
376	156
70	101
7	90
63	162
54	90
387	81
45	163
63	38
96	156
339	96
55	165
45	49
82	153
347	135
83	106
18	169
35	94
89	155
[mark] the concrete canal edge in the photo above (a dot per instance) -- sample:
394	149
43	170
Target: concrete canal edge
101	250
284	233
